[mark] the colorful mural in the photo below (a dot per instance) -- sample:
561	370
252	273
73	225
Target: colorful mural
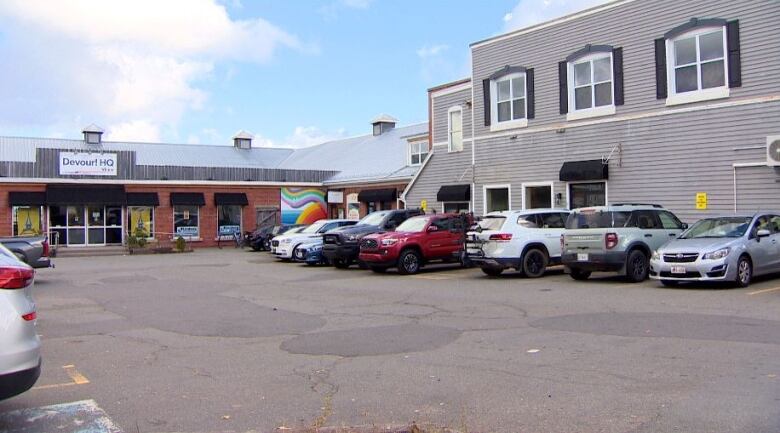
303	205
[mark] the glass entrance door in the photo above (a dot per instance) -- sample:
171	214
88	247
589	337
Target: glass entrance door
87	225
76	225
96	218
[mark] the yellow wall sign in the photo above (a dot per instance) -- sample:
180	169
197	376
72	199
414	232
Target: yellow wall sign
701	200
424	205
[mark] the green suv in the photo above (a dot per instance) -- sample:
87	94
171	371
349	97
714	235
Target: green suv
617	238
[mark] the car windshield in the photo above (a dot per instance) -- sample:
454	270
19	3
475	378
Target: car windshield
373	218
492	222
416	224
314	227
727	227
589	219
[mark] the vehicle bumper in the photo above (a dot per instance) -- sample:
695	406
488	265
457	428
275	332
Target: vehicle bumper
283	252
493	262
378	259
309	257
341	252
15	383
596	262
42	262
700	270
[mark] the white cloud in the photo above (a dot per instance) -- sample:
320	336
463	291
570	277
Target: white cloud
530	12
137	130
302	136
130	65
431	50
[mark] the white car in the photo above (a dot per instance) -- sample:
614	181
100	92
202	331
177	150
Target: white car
283	247
527	241
20	347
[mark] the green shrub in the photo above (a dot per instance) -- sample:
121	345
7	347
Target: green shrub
181	244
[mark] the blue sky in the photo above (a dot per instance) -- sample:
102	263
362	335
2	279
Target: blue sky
295	73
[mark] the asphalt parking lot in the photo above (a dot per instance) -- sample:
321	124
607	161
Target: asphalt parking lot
231	341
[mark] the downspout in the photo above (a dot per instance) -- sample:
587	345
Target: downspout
473	140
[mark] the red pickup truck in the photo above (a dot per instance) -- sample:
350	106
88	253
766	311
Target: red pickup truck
415	242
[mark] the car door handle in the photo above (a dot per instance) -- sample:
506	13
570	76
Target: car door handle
672	234
648	235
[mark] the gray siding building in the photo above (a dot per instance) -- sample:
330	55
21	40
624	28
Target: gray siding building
632	101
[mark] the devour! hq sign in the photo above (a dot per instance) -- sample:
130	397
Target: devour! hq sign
87	164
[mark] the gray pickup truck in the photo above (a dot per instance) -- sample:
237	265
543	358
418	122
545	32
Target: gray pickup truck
33	250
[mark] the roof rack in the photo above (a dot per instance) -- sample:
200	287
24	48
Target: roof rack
638	204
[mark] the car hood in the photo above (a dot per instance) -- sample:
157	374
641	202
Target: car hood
310	243
360	229
392	235
700	245
298	237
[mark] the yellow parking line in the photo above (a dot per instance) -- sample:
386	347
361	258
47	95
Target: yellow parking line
76	377
758	292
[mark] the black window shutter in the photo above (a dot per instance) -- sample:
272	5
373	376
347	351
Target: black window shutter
735	59
563	86
529	89
660	68
486	99
617	74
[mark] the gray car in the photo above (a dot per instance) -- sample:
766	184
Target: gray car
20	347
728	248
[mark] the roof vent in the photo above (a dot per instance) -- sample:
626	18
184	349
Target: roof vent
243	140
383	123
92	134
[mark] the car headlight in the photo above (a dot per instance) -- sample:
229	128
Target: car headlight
656	255
351	238
285	241
389	242
718	254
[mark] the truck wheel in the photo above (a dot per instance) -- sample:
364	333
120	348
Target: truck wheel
256	247
341	264
534	263
408	262
636	266
379	269
579	274
492	272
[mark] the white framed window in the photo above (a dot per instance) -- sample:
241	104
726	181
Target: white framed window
538	195
455	129
418	151
496	198
141	220
228	220
185	221
697	66
509	102
591	86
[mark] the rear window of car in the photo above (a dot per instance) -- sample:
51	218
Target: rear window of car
492	222
597	219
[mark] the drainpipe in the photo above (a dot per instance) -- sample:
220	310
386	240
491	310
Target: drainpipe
473	140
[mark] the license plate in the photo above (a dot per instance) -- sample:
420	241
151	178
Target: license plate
678	269
582	257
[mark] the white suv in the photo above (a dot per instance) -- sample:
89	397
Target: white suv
20	347
527	241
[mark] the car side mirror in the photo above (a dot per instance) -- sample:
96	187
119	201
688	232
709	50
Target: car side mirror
762	233
391	225
433	229
684	226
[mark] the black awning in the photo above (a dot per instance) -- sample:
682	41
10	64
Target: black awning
143	199
230	198
594	169
187	199
24	198
374	195
105	195
454	193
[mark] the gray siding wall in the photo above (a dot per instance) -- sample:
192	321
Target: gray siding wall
665	159
47	166
444	168
633	26
440	107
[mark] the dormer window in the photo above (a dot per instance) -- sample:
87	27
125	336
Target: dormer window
593	82
418	151
243	140
699	61
92	134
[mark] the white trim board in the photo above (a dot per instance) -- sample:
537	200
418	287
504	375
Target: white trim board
452	89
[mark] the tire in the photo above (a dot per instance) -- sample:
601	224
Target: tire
535	263
409	262
637	266
378	269
492	272
579	274
256	247
744	272
670	283
342	263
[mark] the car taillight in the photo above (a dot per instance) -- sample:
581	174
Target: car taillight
45	248
501	237
30	316
610	240
15	278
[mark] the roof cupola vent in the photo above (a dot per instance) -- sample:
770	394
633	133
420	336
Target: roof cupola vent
243	140
93	134
383	123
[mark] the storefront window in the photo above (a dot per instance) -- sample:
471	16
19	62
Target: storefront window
587	194
456	207
27	221
141	221
185	221
228	220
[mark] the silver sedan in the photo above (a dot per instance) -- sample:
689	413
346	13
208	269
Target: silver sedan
728	248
